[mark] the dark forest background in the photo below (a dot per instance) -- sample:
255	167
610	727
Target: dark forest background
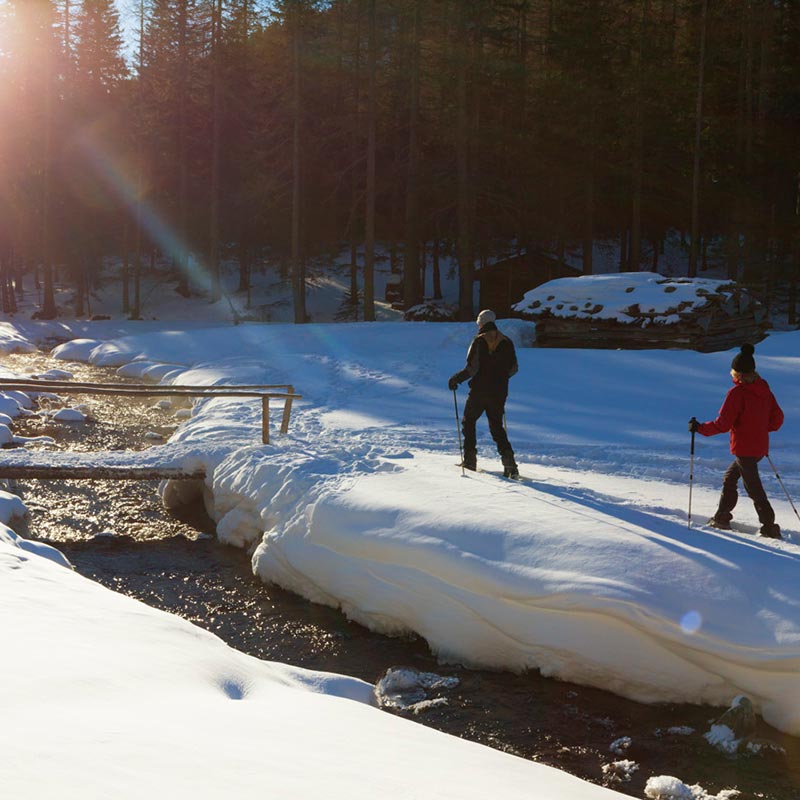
242	130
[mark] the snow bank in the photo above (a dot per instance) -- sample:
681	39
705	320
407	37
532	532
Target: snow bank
566	582
14	341
12	507
164	709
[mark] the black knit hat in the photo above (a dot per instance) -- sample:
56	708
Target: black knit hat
743	361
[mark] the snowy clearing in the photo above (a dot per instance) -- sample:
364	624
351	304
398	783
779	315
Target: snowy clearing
587	571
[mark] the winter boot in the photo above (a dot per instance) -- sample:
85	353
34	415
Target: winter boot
470	461
510	469
771	531
719	523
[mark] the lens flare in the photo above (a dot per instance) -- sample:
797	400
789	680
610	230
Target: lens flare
115	174
691	622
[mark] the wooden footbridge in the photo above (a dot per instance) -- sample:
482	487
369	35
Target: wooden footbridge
157	463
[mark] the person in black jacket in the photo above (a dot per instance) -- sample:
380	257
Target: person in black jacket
491	361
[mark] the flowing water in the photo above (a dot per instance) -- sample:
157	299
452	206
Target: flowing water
117	533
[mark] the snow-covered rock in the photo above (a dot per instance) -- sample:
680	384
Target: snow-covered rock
408	689
666	787
68	415
620	771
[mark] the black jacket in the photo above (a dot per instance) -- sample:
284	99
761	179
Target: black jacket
491	361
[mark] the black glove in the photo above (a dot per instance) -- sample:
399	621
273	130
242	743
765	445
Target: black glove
452	384
693	425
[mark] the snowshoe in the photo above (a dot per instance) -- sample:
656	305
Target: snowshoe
510	469
470	461
772	531
719	524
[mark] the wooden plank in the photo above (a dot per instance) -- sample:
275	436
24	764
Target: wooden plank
129	391
120	473
144	387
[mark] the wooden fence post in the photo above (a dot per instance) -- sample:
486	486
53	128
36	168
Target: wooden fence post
287	412
265	419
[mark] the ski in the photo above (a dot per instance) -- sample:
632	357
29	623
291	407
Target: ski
735	528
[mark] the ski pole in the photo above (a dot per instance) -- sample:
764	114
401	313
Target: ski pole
458	428
782	486
691	477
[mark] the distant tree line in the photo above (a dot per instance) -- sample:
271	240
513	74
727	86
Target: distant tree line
294	128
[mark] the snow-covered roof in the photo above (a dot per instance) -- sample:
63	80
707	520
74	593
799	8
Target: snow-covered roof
624	297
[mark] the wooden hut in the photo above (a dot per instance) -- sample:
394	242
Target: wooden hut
503	283
641	310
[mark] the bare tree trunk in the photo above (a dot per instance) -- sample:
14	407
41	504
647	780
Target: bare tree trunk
635	257
794	268
355	183
136	310
369	226
560	218
4	284
588	223
183	150
624	264
698	129
794	276
748	224
733	237
466	270
126	267
437	275
79	270
412	293
49	310
19	273
244	267
216	127
298	274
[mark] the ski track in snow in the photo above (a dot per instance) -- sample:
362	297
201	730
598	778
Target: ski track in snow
580	465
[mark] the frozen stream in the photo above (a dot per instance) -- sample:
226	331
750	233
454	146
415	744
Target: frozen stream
117	533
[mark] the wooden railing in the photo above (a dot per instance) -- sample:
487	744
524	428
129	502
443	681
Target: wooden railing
265	392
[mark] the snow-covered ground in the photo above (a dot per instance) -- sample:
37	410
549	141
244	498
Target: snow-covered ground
586	571
105	697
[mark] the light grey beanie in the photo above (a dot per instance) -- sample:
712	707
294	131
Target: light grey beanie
486	316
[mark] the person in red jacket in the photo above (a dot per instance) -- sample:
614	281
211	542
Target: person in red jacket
750	412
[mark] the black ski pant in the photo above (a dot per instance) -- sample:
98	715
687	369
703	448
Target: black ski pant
494	406
746	468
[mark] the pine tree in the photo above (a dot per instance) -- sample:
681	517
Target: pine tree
93	87
172	83
32	59
100	67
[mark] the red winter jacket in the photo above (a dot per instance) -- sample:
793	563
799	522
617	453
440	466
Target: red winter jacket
749	412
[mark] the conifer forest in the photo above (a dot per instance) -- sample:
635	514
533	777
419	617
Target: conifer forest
240	131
